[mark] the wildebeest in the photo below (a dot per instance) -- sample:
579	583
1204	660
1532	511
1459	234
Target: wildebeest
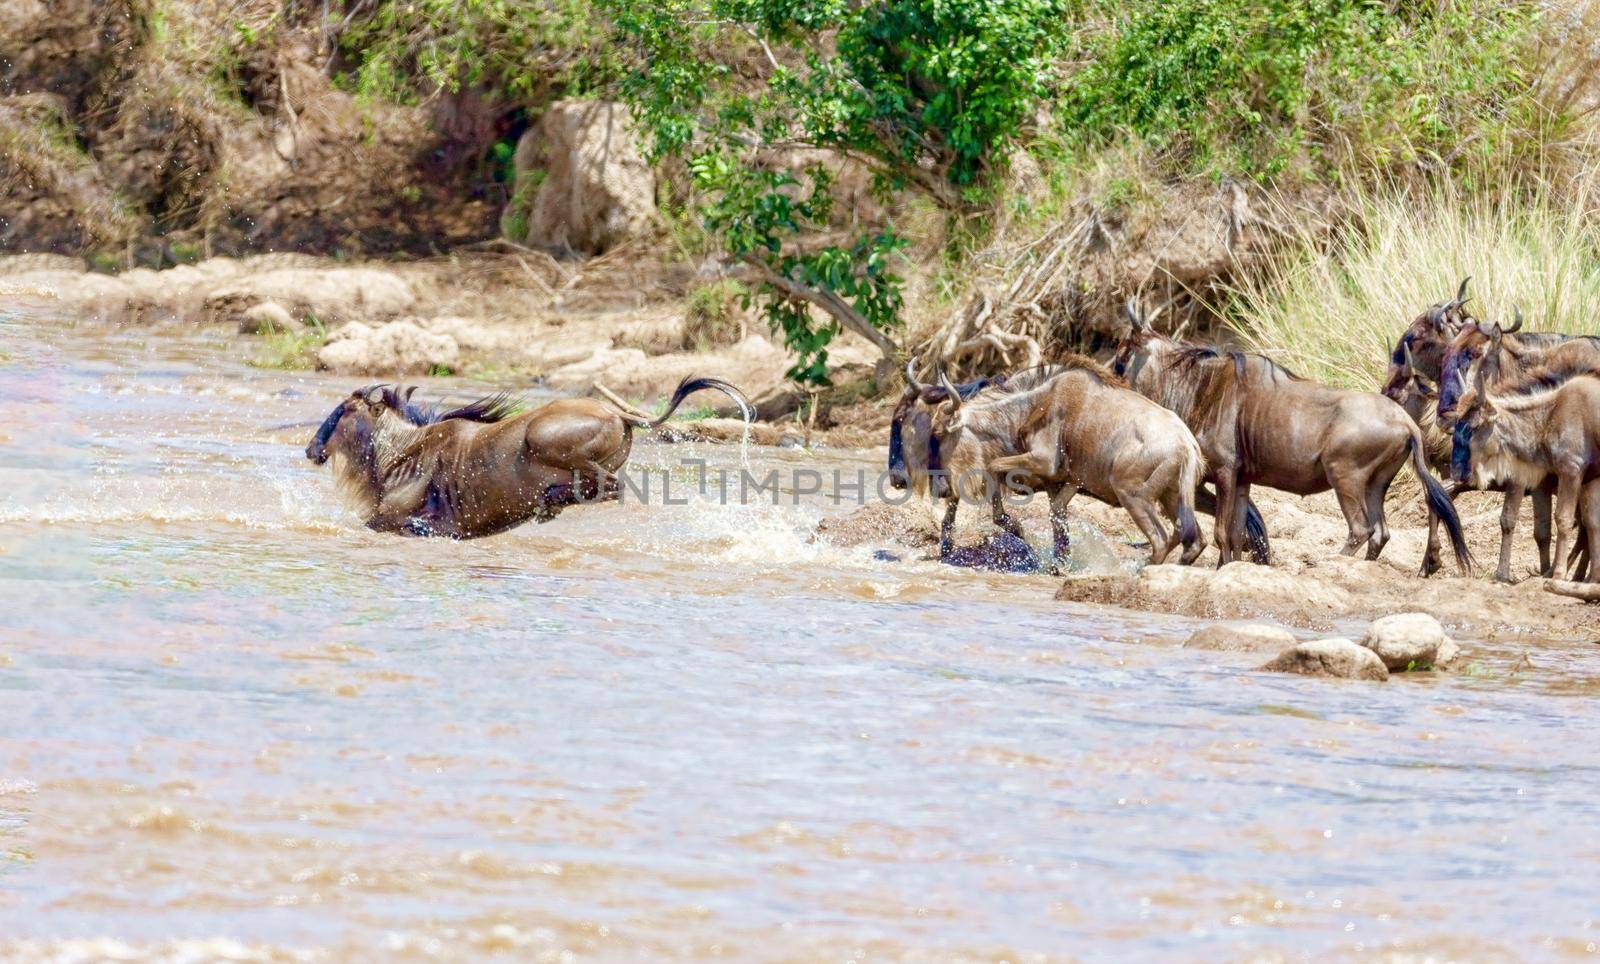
912	452
1421	347
482	468
1259	424
1507	356
1524	437
1546	358
1081	429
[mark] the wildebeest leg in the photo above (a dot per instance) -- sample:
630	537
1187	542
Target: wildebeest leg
1227	508
1003	519
1566	512
1380	526
1237	533
1541	529
1509	510
947	527
1588	534
1146	516
1351	494
1060	535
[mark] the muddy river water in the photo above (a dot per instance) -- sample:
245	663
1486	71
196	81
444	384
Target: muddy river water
234	723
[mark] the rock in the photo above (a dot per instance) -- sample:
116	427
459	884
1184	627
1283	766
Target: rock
1102	589
1250	587
596	190
330	295
1405	640
1240	638
469	335
1329	657
1447	654
267	318
397	348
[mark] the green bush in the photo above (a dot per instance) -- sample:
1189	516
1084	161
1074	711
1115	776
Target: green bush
1308	87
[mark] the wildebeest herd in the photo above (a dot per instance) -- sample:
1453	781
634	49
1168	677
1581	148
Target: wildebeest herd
1497	408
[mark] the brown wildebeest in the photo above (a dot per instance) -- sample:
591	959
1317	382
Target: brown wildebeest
1259	424
1523	437
1082	429
1508	356
481	469
910	457
1424	343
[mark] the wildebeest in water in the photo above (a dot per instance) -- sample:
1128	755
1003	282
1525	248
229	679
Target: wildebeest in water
482	468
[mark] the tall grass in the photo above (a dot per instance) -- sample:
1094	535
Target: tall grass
1333	311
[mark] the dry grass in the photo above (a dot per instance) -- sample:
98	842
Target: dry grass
1333	311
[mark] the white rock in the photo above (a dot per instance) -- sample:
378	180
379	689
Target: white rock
266	318
1405	640
398	348
1240	638
1341	658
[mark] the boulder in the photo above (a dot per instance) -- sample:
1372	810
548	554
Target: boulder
1330	657
397	348
330	295
1447	654
1240	638
267	318
582	184
1405	640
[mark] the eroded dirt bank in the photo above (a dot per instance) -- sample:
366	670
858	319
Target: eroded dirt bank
512	315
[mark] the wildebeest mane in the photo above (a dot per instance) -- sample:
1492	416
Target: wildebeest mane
1099	371
490	408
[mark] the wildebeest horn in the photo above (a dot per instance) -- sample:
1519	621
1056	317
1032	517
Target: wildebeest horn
1134	317
406	395
1411	363
1461	292
911	376
1516	324
949	387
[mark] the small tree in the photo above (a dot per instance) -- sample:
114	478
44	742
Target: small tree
928	94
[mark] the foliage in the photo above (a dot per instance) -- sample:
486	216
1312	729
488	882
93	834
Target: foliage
929	94
520	50
1267	87
289	350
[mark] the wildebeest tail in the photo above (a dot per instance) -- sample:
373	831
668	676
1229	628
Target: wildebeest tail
1255	533
1439	503
688	387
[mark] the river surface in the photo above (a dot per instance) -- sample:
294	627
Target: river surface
236	724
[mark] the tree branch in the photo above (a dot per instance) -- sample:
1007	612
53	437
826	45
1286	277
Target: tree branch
828	301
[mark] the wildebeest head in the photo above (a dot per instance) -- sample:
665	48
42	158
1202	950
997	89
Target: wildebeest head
913	451
1138	343
1426	339
1475	347
348	428
1475	439
1414	391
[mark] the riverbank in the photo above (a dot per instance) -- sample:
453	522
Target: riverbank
517	317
